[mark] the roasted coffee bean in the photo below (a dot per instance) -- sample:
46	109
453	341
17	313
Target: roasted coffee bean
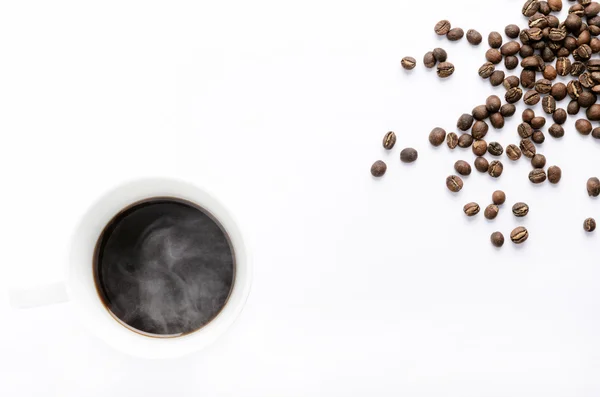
592	9
596	133
584	127
480	112
528	115
445	69
525	130
510	48
530	7
577	9
495	169
465	141
531	98
593	187
559	91
510	62
562	52
513	152
408	63
486	70
519	235
570	44
573	23
378	169
559	116
543	86
508	110
553	21
455	34
495	40
557	34
491	211
497	78
589	225
513	95
538	161
577	68
587	99
550	72
563	66
481	164
511	82
527	148
440	54
547	56
479	147
538	20
452	140
537	176
494	56
554	174
583	53
593	112
429	60
593	65
526	51
538	122
464	122
480	129
544	8
471	209
573	107
584	37
408	155
586	81
437	136
497	120
498	197
520	210
495	149
474	37
532	63
492	104
462	167
389	140
497	239
555	5
454	183
538	137
549	104
528	78
442	27
556	131
512	31
574	89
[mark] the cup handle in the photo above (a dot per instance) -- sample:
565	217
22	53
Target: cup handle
39	296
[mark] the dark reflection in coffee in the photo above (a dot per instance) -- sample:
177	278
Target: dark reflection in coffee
164	267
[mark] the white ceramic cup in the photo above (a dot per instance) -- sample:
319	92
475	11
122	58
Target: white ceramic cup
79	286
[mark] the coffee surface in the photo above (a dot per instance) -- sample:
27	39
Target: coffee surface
164	267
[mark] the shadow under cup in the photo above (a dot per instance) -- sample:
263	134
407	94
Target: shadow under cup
164	267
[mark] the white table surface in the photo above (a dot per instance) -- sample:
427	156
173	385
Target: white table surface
362	286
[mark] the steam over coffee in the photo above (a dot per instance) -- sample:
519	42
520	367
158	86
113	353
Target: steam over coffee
164	267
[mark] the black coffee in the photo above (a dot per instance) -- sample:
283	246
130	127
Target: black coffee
164	267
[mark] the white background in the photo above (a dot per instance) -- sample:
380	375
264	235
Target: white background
362	286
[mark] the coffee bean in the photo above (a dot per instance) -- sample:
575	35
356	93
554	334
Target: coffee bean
491	211
511	82
520	210
514	95
549	104
538	161
454	183
442	27
378	168
479	130
593	187
462	167
495	169
554	174
573	23
525	130
531	63
528	115
596	133
455	34
479	147
584	127
586	81
495	149
513	152
508	110
531	98
519	235
544	8
526	51
563	66
408	155
512	31
389	140
492	104
497	239
510	62
437	136
537	176
497	78
464	122
510	48
593	113
528	78
577	68
471	209
495	40
465	141
530	7
543	86
474	37
527	148
498	197
429	60
497	120
481	164
408	63
445	69
538	122
559	116
494	56
486	70
538	137
573	108
452	140
587	99
589	225
574	89
555	5
556	131
559	91
480	112
550	72
440	54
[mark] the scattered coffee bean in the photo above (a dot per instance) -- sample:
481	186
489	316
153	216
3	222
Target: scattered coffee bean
511	82
527	148
481	164
389	140
531	98
497	120
589	225
596	133
465	141
440	54
471	209
549	104
452	140
494	56
525	130
486	70
513	152
464	122
512	31
554	174
495	40
508	110
479	147
480	112
474	37
593	187
491	211
538	161
543	86
538	122
573	108
584	127
462	167
559	91
513	95
498	197
520	210
550	72
519	235
528	115
454	183
493	103
408	63
429	60
442	27
480	129
455	34
445	69
559	116
437	136
510	63
538	137
537	176
556	131
555	5
408	155
495	169
593	113
378	168
497	239
495	149
530	7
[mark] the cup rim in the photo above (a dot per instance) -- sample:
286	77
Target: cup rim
81	284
